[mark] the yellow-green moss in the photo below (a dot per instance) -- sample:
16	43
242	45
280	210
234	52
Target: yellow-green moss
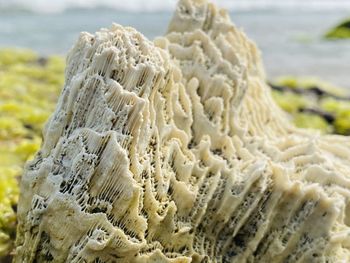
308	83
309	121
8	197
341	109
329	103
29	88
289	101
341	31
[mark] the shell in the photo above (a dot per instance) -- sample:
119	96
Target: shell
176	152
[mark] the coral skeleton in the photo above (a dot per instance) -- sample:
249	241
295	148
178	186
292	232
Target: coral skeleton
174	151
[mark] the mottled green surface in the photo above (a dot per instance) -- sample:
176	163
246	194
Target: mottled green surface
334	103
341	31
29	87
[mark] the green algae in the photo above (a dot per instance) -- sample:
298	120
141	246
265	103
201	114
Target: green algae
314	104
310	121
341	109
310	83
289	101
29	88
341	31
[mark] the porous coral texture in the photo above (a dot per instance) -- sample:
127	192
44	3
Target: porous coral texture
176	152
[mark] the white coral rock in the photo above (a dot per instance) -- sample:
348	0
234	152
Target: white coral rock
176	152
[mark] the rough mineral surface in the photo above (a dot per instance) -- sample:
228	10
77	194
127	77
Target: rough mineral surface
176	152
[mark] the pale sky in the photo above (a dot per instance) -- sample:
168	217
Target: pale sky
159	5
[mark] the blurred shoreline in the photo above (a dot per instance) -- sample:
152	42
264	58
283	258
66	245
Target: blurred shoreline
152	6
291	40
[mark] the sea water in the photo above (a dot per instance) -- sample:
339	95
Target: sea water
290	38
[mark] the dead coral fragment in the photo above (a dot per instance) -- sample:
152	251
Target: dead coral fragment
177	153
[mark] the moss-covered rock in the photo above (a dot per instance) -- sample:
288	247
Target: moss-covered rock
29	88
312	121
342	31
341	109
314	104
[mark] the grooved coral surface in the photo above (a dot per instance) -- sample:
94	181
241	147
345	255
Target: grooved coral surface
176	152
